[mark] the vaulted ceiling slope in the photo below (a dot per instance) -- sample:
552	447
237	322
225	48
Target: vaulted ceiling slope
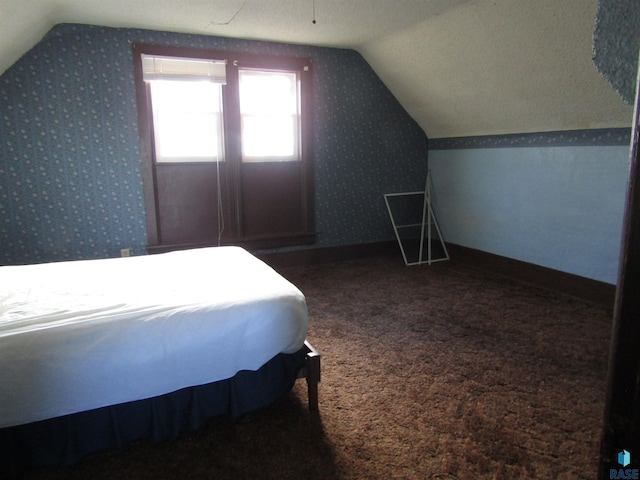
459	67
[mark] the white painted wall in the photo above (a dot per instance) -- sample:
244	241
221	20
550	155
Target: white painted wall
557	207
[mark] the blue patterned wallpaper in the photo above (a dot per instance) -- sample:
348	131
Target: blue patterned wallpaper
70	182
570	138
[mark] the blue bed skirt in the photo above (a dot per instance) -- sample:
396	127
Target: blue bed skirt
64	440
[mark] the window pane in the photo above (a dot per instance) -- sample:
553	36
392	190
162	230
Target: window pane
270	115
187	121
186	136
264	136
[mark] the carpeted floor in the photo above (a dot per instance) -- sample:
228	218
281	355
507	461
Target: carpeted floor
427	372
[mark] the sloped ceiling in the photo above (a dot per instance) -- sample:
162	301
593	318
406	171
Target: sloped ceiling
459	67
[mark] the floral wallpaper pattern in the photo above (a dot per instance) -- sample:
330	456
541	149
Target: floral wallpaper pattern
70	181
570	138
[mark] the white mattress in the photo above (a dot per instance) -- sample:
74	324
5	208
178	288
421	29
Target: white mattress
86	334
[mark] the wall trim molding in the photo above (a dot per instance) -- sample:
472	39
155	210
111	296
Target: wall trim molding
603	137
587	289
314	256
593	291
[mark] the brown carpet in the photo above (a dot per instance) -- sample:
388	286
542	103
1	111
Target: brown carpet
428	372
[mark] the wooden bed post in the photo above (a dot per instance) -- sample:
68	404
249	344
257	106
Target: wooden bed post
312	375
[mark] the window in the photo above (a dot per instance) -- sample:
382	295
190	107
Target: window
226	148
269	107
187	121
186	101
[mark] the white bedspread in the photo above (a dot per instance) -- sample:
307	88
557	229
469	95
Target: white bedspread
85	334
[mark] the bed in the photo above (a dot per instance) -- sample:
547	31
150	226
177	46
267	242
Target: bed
99	353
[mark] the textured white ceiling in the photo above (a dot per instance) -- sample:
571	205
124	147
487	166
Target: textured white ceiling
500	66
459	67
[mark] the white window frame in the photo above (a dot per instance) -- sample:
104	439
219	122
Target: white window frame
186	77
269	113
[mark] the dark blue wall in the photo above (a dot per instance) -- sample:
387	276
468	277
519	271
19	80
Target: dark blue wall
70	182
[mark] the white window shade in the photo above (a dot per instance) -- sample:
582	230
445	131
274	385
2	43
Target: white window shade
190	69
